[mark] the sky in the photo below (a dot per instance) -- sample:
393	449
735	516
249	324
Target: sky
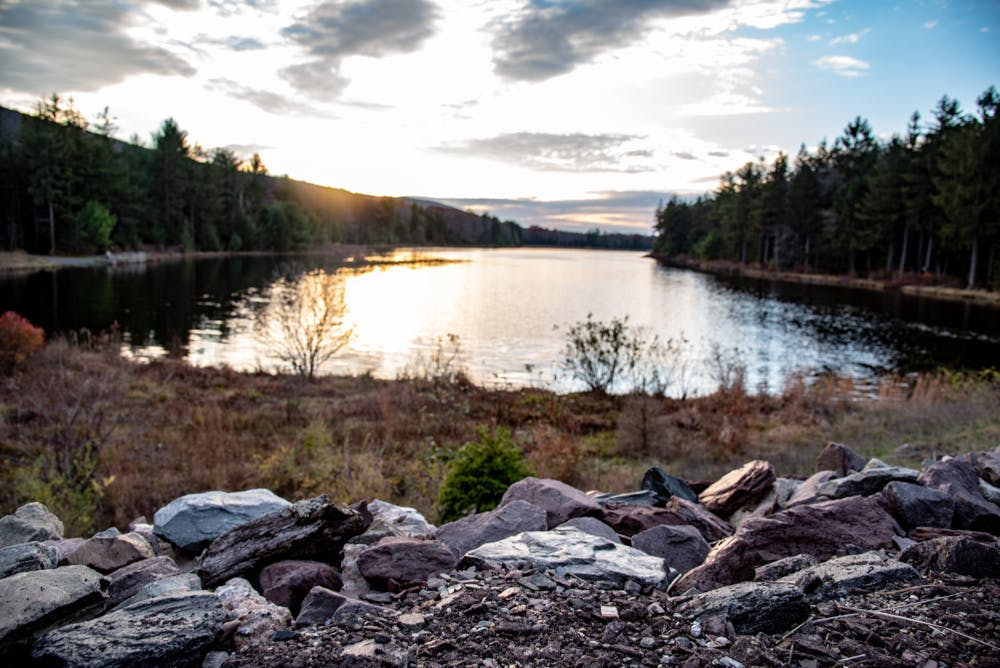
571	114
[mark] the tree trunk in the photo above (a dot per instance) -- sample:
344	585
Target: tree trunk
989	267
902	254
890	257
927	258
52	229
972	263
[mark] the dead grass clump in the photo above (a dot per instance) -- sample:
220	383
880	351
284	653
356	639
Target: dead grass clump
555	454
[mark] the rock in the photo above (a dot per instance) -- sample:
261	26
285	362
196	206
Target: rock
711	527
761	508
353	581
25	557
392	520
808	491
841	576
306	529
559	501
782	567
957	477
987	465
989	492
643	497
915	505
195	520
396	563
785	489
480	528
64	548
629	520
752	607
381	654
32	522
823	530
869	480
573	552
111	552
128	580
172	585
249	618
681	547
166	631
745	485
322	604
839	459
590	525
666	486
286	583
35	601
955	554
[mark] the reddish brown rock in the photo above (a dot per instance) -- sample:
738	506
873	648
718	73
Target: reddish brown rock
559	501
839	459
128	580
808	491
396	563
957	477
744	486
628	519
823	530
930	533
956	554
106	553
286	583
710	526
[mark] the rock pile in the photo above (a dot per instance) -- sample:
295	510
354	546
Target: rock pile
862	562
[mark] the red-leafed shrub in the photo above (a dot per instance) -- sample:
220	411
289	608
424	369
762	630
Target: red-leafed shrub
19	339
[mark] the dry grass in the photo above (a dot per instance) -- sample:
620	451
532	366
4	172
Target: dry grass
103	440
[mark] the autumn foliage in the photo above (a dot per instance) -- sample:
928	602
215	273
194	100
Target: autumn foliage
19	339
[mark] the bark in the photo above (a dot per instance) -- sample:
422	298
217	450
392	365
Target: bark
972	263
902	254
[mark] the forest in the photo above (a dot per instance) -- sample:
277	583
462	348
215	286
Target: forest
68	186
922	205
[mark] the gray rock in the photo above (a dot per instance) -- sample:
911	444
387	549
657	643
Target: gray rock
590	525
918	506
666	486
400	562
313	528
841	576
743	486
371	651
838	458
478	529
642	497
353	581
167	631
957	477
250	618
215	660
987	466
869	480
782	567
559	501
571	551
322	604
785	489
681	547
109	552
752	607
172	585
128	580
630	520
955	554
808	491
35	601
31	522
195	520
990	493
286	583
25	557
389	520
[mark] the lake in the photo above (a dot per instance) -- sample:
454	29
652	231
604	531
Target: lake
510	309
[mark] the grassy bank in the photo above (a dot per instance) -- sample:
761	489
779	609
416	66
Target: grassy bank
101	439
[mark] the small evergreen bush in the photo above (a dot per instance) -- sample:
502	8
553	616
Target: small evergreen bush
480	474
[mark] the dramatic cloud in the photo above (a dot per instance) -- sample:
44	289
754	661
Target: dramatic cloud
333	31
56	45
844	66
546	39
271	102
561	152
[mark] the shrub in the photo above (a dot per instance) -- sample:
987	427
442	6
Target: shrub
480	474
19	339
95	224
598	353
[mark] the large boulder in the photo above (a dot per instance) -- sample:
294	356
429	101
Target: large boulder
590	525
30	522
574	552
322	604
389	520
957	477
629	520
478	529
681	547
955	554
35	601
250	619
841	576
167	631
128	580
559	501
752	607
313	528
918	506
172	585
808	491
743	486
25	557
711	527
286	583
839	459
109	552
195	520
396	563
823	530
869	480
987	465
666	486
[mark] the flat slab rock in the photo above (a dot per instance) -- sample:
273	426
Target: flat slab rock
560	501
396	563
629	520
167	631
571	551
128	580
743	486
193	521
478	529
752	607
870	480
30	522
841	576
106	553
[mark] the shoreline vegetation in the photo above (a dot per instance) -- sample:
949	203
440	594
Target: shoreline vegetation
101	439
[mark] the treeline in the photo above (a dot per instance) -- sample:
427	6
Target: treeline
926	201
68	186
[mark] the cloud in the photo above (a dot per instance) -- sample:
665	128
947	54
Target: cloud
575	152
51	45
684	155
269	101
930	24
852	38
185	5
333	31
719	154
844	66
546	39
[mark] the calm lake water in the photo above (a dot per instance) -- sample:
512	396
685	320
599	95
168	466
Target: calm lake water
510	309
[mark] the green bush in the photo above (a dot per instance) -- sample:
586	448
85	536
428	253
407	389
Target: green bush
480	474
95	224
